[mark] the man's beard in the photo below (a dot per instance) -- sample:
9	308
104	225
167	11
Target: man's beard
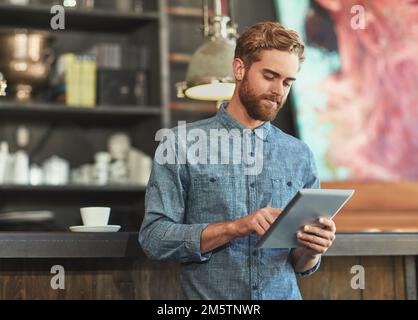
253	105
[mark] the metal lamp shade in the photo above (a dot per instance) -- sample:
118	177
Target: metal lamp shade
210	76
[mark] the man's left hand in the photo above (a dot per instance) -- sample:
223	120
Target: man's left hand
317	238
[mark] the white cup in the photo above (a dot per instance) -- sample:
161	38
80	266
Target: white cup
95	216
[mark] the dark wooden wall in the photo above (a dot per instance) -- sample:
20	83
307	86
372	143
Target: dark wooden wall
89	279
145	279
384	279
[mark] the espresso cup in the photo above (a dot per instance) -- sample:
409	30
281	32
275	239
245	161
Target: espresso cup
95	216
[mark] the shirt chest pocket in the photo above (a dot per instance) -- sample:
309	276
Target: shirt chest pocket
276	192
212	197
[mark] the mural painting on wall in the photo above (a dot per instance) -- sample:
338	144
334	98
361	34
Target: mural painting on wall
356	97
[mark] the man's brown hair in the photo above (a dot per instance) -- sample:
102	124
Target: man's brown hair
267	36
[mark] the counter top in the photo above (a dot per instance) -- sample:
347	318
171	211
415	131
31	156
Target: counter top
125	245
69	245
374	244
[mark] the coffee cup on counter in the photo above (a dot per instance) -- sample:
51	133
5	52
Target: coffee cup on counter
95	216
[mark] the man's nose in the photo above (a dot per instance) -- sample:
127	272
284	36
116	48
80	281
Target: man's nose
278	89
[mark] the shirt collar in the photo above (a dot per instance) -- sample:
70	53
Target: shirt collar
229	122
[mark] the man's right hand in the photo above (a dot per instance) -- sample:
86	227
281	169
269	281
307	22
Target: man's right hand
258	221
217	234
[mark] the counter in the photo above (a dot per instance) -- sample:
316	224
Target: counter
112	265
125	245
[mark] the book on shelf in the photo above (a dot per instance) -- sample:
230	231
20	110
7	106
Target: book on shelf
79	75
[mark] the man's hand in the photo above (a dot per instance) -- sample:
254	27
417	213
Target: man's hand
217	234
258	221
317	238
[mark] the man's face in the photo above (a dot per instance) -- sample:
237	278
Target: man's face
266	85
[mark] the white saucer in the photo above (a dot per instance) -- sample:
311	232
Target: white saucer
108	228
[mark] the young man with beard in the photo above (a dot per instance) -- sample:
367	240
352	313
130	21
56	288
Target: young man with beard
210	216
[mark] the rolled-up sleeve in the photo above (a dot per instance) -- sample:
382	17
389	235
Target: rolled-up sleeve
310	271
163	235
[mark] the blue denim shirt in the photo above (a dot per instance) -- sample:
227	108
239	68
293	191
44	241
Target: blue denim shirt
182	198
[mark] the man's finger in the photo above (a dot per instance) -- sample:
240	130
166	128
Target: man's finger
313	246
323	233
263	223
314	239
275	211
259	230
268	216
327	223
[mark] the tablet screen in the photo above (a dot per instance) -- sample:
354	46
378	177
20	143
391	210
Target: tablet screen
305	208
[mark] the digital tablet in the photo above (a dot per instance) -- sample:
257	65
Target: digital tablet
305	208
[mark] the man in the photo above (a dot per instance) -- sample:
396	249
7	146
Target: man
209	216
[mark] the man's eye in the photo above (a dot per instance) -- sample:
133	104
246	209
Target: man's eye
269	77
287	85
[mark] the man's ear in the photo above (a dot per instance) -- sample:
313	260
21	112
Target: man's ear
238	68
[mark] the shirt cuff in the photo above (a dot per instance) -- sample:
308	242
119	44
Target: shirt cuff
312	270
194	243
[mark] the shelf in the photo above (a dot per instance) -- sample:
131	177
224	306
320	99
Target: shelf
187	12
69	245
44	111
73	188
39	17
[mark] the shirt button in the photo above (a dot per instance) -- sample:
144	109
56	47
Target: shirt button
252	184
289	183
254	252
252	154
255	287
212	179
